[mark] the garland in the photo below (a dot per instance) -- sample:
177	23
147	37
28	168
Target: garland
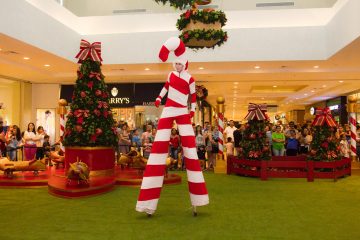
200	34
180	4
207	16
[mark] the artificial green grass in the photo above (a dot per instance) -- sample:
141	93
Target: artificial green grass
240	208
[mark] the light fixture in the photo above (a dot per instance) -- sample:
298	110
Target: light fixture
46	65
305	94
235	86
236	83
201	68
274	86
324	86
296	98
257	67
341	81
26	58
316	66
262	98
147	69
312	90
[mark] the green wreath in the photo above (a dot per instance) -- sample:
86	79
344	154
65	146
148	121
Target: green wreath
204	16
180	4
201	34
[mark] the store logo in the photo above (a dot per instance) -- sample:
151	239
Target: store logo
114	91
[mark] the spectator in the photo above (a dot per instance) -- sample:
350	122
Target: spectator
344	146
278	140
174	146
136	141
292	144
229	131
229	147
13	141
30	142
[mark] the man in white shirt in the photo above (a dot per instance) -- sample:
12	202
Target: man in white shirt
229	131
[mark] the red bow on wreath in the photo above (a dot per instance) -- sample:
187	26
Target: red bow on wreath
324	115
89	50
256	111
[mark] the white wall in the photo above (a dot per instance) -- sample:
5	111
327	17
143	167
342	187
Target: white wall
298	34
10	97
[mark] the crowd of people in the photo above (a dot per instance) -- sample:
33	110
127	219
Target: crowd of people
34	142
292	139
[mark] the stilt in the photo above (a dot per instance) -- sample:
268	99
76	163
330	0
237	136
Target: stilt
194	211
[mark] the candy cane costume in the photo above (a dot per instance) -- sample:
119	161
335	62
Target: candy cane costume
179	86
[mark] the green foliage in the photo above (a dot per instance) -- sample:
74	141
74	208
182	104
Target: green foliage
324	146
180	4
90	121
204	16
254	145
201	34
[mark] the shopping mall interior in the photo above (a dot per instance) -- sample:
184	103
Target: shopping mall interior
258	65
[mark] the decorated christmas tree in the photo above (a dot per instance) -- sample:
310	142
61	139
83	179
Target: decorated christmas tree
253	144
324	146
90	121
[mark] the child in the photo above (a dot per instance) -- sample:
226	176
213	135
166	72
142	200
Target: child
344	146
292	145
136	141
147	147
46	148
229	147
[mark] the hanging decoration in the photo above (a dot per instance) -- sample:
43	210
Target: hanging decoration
183	4
202	28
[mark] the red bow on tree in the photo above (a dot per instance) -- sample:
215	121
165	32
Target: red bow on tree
80	112
256	111
323	115
95	74
93	51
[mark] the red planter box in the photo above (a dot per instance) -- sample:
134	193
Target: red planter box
97	158
289	167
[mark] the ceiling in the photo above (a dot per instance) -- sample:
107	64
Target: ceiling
288	84
98	8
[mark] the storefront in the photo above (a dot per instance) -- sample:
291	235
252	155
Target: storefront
133	103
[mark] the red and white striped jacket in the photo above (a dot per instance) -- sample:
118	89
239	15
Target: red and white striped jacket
179	86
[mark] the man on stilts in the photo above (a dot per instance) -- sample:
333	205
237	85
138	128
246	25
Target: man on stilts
179	86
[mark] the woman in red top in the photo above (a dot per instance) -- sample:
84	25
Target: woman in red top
174	146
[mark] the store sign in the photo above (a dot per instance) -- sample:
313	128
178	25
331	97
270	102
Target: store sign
334	107
124	95
312	110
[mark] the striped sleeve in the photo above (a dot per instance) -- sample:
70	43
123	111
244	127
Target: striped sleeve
192	94
164	89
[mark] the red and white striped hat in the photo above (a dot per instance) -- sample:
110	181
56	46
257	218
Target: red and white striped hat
172	44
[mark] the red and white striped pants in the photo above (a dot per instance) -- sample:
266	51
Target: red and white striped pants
155	169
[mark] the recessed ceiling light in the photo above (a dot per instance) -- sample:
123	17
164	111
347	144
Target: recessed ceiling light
236	83
341	81
274	86
201	68
323	85
46	65
26	58
262	98
316	66
312	90
257	67
235	86
147	69
305	94
296	98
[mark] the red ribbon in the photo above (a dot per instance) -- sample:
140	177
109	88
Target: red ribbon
79	113
95	74
93	51
256	111
102	104
323	115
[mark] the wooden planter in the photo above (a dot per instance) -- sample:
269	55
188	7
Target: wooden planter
290	167
202	26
